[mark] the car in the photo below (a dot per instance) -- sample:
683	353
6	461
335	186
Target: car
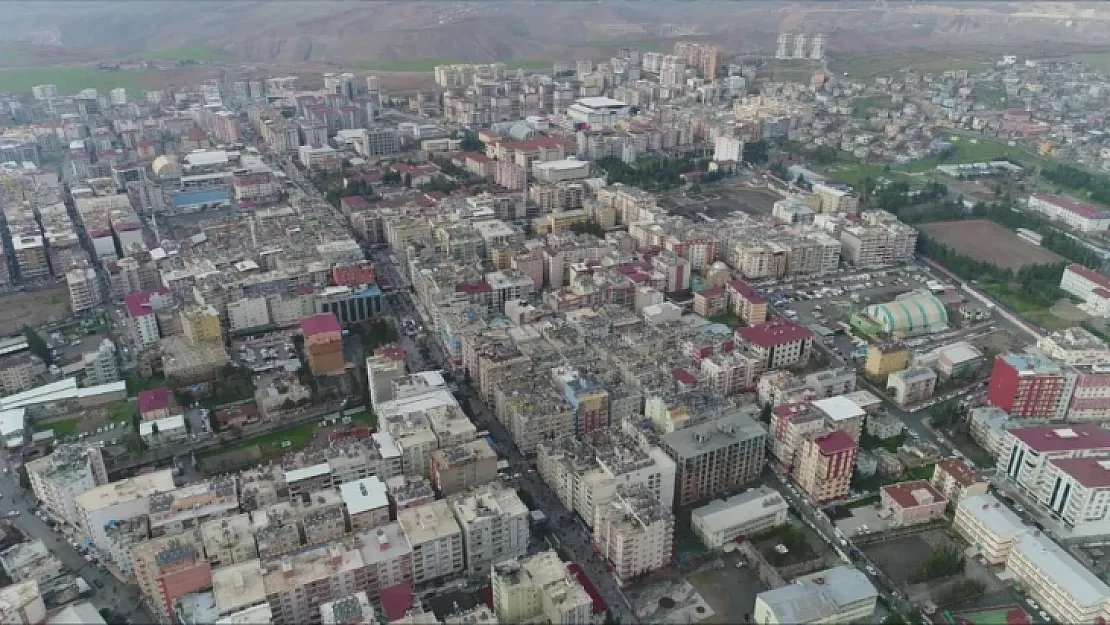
1032	604
871	570
13	513
740	564
1043	615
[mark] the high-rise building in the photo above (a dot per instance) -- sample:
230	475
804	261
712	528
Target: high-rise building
57	479
539	587
101	366
436	540
1030	386
634	533
716	456
825	465
494	524
84	289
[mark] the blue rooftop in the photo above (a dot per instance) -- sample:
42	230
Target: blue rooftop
203	196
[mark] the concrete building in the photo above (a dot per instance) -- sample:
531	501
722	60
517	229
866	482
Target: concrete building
1079	215
841	594
1066	589
988	526
1029	452
494	523
912	386
388	559
777	344
539	587
435	538
746	303
463	467
833	199
85	293
1030	386
1076	493
59	478
352	610
169	568
125	499
323	344
910	503
1090	286
386	366
22	604
728	149
885	358
228	541
957	480
598	112
298	584
716	456
634	533
238	587
366	502
825	465
751	512
102	365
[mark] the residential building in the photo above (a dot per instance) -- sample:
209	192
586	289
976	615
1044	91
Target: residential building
238	587
1029	453
841	594
912	386
825	464
124	499
539	587
494	523
728	149
168	568
879	241
910	503
1079	215
388	559
102	365
746	303
987	426
957	480
386	366
298	584
463	467
828	198
228	541
143	321
22	604
716	456
634	533
777	344
885	358
1090	286
988	526
1030	386
84	289
366	502
323	344
435	538
1064	587
59	478
723	520
352	610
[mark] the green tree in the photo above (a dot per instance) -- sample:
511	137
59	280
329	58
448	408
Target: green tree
756	152
588	227
38	345
765	413
408	180
471	143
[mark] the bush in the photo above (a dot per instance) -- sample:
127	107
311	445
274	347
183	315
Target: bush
943	562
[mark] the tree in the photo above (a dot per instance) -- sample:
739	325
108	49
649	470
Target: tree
611	619
756	152
765	413
588	227
408	180
471	143
38	346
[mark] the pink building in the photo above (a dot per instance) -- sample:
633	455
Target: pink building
909	503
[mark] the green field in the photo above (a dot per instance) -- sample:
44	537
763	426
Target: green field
70	80
793	70
867	67
976	150
365	417
62	428
863	107
428	65
270	444
645	45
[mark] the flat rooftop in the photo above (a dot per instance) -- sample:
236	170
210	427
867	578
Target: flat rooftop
127	490
238	586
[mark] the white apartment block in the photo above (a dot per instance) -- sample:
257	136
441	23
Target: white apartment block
1090	286
830	199
878	245
118	501
84	289
841	594
494	524
436	540
722	520
1077	492
1026	459
539	588
634	533
57	479
988	526
247	312
1066	589
728	149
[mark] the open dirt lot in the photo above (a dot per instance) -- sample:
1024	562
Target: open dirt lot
989	242
901	557
34	308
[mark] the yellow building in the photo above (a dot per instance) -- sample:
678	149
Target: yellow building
884	359
202	324
558	222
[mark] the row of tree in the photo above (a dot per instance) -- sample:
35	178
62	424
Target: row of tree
1039	284
1066	176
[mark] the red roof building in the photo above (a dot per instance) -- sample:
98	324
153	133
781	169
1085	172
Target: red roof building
323	323
913	502
825	465
354	274
779	343
155	403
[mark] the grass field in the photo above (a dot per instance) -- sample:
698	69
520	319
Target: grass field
429	65
793	70
199	53
70	80
270	444
862	108
976	150
867	67
989	242
62	428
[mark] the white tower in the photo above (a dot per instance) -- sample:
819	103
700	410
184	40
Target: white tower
817	48
800	46
782	51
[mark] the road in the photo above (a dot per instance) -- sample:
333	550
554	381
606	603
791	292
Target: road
567	530
109	593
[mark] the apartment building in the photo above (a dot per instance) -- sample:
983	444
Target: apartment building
910	503
382	369
1078	495
19	372
298	584
723	520
168	568
388	558
58	479
911	386
494	523
878	244
957	480
746	303
366	503
1064	587
885	358
84	289
825	465
634	533
124	499
988	526
22	604
1030	386
841	594
143	322
463	467
777	344
1079	215
323	344
716	456
987	426
585	473
228	540
833	199
539	587
436	540
727	149
790	425
1028	453
187	507
236	588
